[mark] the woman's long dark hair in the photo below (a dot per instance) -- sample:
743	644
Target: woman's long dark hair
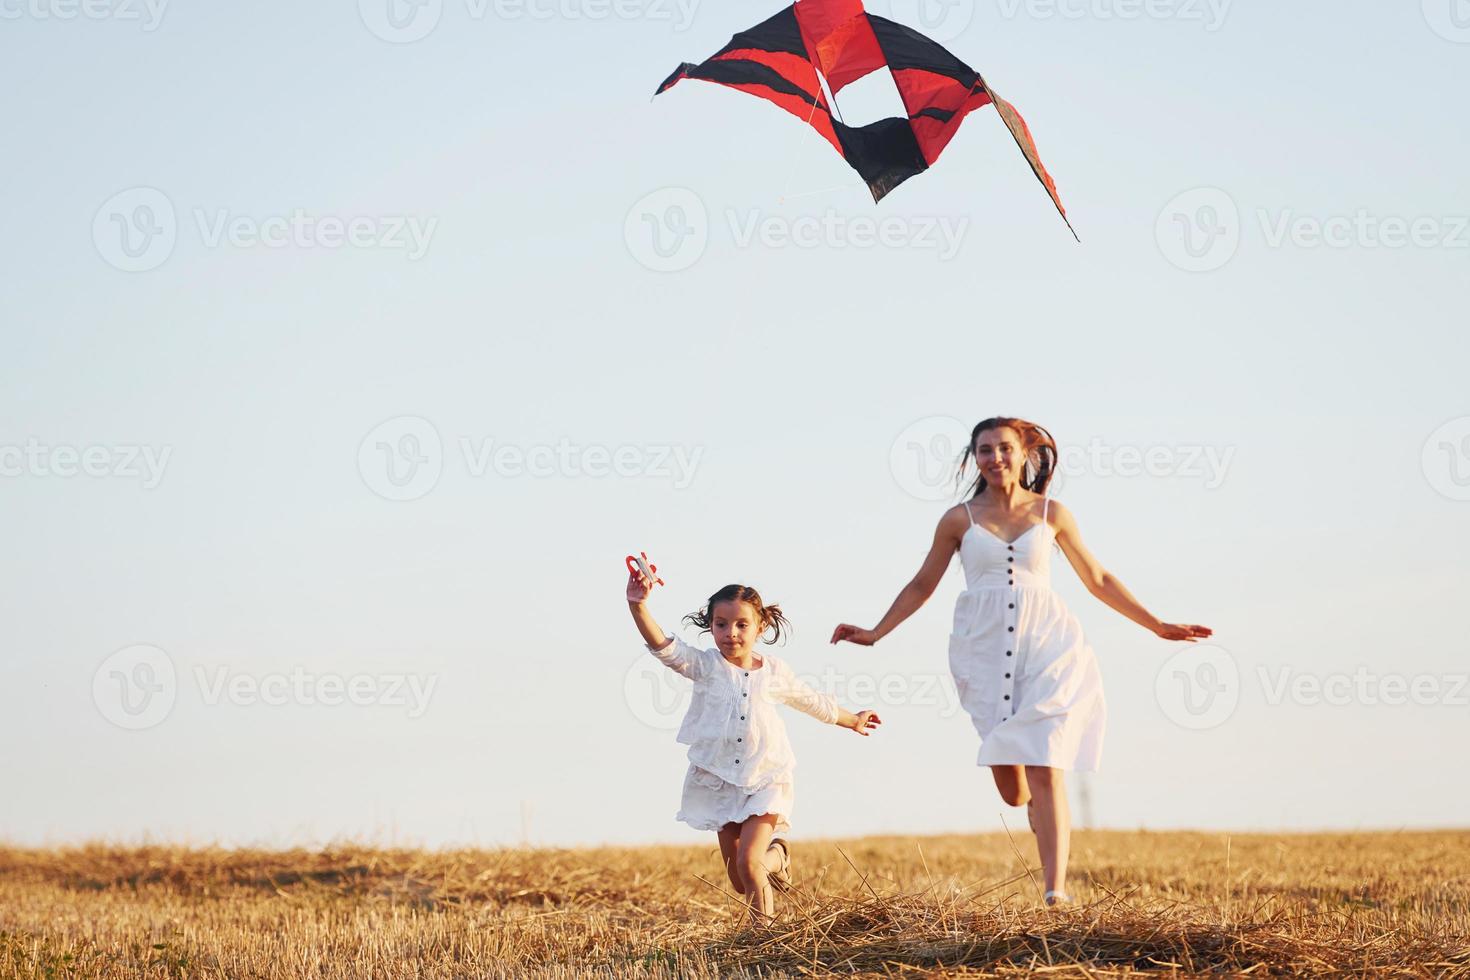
772	619
1037	444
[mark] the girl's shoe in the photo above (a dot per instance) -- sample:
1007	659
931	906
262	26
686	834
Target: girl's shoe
781	880
1057	898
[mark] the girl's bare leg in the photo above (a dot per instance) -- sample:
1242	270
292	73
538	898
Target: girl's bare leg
1053	823
755	862
729	840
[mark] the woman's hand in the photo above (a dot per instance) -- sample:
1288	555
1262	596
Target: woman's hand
639	586
854	634
863	721
1180	631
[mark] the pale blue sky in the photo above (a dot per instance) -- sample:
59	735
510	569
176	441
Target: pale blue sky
525	149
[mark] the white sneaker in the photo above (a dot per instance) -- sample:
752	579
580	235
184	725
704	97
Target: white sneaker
1057	898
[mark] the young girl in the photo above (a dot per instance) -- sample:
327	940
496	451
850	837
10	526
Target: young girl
1022	667
740	779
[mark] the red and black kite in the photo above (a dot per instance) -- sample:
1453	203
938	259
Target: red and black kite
780	58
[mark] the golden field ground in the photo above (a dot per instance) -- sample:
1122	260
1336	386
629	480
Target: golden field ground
1364	904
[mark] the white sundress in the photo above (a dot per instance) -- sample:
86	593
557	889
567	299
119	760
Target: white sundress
740	759
710	803
1022	667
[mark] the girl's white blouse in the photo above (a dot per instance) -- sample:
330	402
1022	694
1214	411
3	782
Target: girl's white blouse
732	728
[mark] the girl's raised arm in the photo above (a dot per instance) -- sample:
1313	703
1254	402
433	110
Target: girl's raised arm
638	589
671	652
952	527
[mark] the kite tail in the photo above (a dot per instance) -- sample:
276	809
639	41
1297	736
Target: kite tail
1021	133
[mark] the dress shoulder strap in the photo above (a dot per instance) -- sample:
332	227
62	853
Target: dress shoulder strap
969	513
1045	502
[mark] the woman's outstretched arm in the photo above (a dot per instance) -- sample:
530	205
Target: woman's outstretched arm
1105	585
946	539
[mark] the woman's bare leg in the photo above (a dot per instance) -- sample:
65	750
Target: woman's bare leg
1053	823
1011	781
754	861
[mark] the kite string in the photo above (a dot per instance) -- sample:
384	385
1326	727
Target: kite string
832	96
821	90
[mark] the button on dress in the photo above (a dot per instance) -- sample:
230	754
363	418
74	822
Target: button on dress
1022	667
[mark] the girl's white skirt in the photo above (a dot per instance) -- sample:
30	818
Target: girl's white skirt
709	802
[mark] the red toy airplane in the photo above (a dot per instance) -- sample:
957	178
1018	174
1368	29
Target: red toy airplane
640	564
